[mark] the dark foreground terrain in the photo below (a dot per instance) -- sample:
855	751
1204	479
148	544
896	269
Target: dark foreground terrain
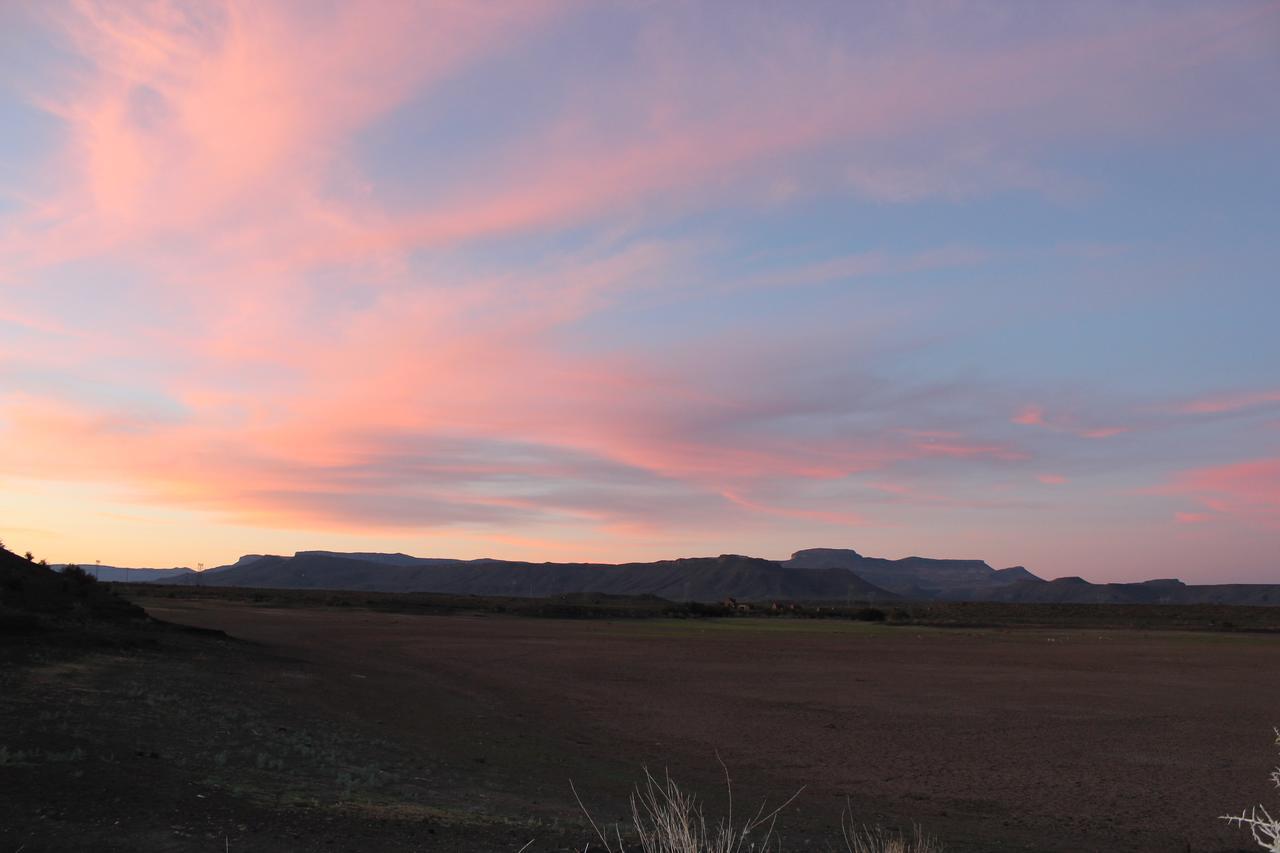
342	728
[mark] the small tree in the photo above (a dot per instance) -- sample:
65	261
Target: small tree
29	557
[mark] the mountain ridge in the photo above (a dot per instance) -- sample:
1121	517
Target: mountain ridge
814	574
123	574
689	579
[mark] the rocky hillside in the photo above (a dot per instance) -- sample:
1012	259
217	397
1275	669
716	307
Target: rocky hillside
34	596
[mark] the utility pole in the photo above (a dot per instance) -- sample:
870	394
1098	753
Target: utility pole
97	570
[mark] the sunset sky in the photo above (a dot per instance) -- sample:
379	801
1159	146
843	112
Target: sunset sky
619	281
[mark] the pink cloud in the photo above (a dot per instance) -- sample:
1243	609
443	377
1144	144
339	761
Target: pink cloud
867	264
208	159
720	118
965	451
422	371
1051	479
1030	416
248	108
1035	415
847	519
1229	403
231	117
1248	491
953	444
1102	432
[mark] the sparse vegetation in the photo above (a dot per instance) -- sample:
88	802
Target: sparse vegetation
76	574
963	615
868	614
861	839
9	758
35	599
1264	828
13	758
291	749
667	819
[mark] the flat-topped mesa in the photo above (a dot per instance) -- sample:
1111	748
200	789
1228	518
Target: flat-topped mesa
914	577
396	559
822	558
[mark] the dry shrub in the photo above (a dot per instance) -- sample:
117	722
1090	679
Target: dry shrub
666	819
1264	828
861	839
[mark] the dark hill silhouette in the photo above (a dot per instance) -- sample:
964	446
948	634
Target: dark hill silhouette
34	596
815	574
1074	590
913	577
695	579
120	574
387	559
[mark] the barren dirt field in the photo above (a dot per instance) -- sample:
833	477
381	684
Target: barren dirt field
344	729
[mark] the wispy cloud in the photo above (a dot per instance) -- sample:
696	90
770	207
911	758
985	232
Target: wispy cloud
1247	491
1036	415
1230	403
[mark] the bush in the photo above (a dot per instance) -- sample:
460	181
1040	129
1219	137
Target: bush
869	614
75	574
699	608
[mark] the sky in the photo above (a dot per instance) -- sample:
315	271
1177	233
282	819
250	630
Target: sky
620	281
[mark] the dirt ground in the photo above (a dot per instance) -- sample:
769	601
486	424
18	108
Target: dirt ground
343	729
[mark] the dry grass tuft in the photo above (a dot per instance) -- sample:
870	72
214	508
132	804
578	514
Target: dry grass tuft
861	839
666	819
